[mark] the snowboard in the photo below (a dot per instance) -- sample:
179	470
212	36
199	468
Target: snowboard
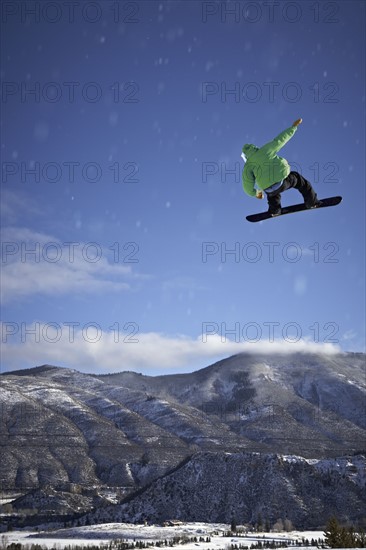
330	201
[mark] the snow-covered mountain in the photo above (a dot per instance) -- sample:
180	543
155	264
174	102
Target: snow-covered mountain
307	404
120	432
251	488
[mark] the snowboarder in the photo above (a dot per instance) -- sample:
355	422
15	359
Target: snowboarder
271	174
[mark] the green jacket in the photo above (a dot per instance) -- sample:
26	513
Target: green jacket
263	166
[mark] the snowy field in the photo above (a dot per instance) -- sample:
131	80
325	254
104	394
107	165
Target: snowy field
102	534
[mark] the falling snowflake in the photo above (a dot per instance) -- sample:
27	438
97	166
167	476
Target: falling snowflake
113	118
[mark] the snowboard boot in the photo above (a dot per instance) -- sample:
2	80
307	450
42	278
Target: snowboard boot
313	204
274	213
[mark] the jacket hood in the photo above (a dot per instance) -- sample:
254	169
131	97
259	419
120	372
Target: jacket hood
249	149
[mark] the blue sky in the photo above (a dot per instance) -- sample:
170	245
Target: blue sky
122	128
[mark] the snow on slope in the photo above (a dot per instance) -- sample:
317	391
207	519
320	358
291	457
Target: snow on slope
126	430
217	486
102	534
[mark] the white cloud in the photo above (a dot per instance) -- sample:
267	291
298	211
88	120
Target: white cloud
349	335
90	349
35	263
15	206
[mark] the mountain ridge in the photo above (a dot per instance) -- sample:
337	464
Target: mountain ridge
121	432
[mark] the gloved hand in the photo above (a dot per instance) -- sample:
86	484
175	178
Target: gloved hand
297	122
259	194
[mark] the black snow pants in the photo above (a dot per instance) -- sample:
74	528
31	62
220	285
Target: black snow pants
296	181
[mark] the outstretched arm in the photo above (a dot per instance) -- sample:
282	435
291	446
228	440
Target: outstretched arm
278	142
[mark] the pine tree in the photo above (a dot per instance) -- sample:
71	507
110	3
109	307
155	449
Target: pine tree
332	533
341	537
